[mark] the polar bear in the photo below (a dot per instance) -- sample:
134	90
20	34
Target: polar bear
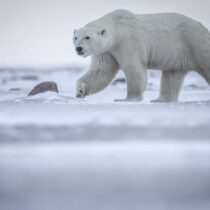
170	42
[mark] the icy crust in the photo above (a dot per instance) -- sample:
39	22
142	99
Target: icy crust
48	97
51	116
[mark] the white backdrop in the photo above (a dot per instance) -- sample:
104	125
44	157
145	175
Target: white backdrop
39	32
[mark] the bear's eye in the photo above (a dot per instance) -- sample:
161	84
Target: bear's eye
80	91
87	37
75	38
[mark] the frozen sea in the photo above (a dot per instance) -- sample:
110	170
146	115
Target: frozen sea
60	152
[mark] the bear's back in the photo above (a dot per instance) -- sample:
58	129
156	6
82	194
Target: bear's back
165	21
159	21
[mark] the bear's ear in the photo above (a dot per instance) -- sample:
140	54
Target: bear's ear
102	32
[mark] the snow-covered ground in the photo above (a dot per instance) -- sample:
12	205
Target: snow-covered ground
51	116
60	152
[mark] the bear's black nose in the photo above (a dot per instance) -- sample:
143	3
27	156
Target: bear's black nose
79	49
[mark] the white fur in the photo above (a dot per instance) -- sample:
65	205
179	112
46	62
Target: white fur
102	70
134	43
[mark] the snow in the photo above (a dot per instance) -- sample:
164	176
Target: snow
106	175
63	115
61	152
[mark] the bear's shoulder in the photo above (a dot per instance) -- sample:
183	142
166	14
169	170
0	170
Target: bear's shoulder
113	17
120	12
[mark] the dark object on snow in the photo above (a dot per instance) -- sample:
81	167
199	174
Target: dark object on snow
14	89
29	77
44	87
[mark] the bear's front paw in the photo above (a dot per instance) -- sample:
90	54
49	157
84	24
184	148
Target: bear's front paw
162	100
158	100
129	100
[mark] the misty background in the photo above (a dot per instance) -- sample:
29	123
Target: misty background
37	33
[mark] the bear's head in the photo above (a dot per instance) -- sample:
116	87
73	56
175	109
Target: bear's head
91	40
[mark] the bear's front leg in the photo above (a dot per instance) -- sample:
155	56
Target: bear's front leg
136	83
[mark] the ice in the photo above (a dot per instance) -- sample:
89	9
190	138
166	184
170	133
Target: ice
61	152
105	175
48	97
62	115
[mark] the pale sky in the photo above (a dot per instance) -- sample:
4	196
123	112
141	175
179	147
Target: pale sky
36	33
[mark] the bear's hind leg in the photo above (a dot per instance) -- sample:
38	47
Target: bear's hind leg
171	83
202	56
